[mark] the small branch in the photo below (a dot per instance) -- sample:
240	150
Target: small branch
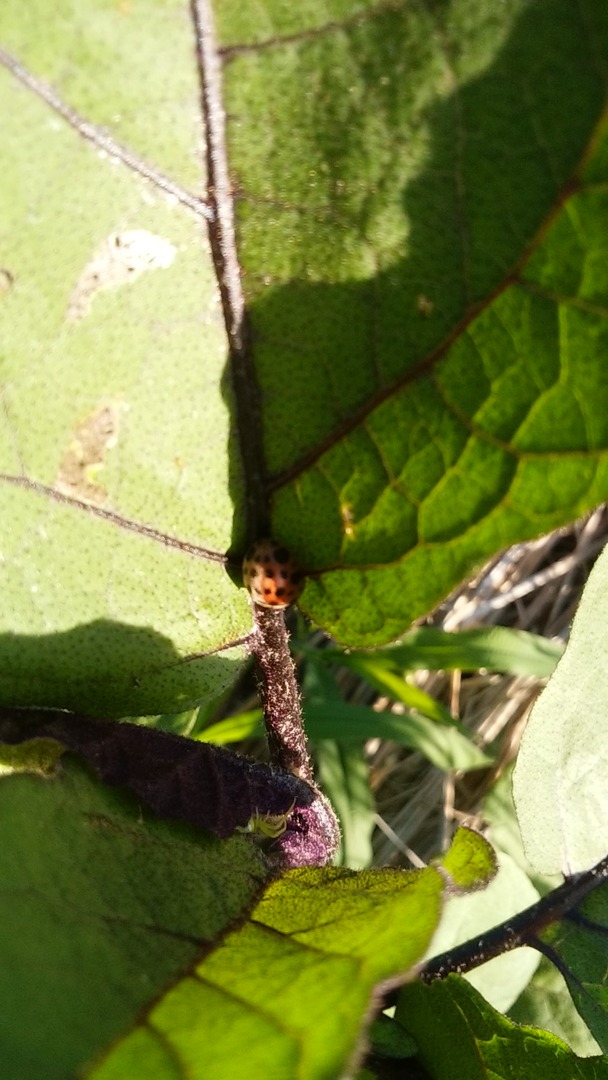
312	835
279	692
100	139
522	929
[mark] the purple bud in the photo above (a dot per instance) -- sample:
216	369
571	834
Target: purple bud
311	837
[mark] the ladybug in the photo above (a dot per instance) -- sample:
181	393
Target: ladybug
271	575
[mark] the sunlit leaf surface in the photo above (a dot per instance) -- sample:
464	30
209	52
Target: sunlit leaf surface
559	783
420	217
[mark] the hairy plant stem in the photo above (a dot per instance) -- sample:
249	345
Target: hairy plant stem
522	929
279	692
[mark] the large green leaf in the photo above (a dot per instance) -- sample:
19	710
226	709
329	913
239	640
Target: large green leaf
115	926
420	198
287	993
101	906
130	383
420	216
285	996
559	782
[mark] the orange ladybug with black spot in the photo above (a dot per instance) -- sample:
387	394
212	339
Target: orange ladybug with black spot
271	575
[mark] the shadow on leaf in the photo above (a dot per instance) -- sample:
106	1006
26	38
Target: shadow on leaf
131	670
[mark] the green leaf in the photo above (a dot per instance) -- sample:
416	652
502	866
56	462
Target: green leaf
101	906
421	239
328	716
343	774
246	725
546	1003
33	756
286	994
499	811
177	723
498	648
95	616
389	1039
129	943
559	782
459	1035
470	861
383	676
444	747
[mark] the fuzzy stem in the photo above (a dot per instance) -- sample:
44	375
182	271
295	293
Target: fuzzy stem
521	929
279	693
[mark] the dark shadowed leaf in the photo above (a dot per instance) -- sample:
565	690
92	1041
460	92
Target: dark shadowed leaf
175	778
459	1035
578	946
101	906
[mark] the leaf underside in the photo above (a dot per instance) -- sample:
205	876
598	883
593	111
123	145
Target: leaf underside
559	782
420	212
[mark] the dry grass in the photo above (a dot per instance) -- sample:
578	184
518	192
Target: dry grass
535	587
